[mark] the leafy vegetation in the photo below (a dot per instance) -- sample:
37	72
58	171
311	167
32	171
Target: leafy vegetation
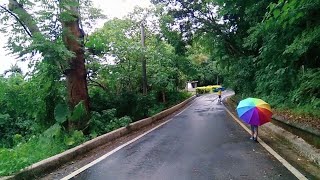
265	49
203	90
207	89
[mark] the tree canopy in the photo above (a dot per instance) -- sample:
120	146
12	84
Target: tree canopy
262	48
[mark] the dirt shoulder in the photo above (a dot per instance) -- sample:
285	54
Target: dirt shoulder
308	121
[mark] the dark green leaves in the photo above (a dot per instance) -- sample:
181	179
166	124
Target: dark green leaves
78	112
276	13
61	113
53	131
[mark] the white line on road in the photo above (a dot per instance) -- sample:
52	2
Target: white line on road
292	169
73	174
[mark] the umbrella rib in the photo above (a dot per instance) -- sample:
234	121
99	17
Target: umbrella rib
251	115
266	106
254	112
247	108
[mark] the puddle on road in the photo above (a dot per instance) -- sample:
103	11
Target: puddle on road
202	110
181	116
217	108
209	109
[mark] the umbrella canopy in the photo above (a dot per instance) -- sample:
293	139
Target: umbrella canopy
254	111
219	88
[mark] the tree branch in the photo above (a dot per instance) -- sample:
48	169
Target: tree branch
24	16
17	18
95	83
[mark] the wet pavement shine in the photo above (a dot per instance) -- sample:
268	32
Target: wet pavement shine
202	142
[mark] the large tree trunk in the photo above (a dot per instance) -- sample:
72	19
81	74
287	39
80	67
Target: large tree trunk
76	79
76	73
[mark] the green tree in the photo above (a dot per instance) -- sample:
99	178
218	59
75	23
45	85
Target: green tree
56	33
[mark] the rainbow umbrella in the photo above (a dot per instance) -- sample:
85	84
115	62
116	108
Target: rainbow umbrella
254	111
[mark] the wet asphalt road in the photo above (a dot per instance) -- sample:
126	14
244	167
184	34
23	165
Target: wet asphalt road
203	142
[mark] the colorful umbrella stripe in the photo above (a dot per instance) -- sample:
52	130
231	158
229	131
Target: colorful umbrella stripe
254	111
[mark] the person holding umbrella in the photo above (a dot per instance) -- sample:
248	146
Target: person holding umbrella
255	112
219	95
254	132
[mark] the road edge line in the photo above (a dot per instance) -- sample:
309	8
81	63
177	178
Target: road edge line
83	168
284	162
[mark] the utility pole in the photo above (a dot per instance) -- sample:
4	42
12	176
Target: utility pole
217	79
144	64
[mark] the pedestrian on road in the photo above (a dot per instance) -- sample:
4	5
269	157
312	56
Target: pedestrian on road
219	94
254	132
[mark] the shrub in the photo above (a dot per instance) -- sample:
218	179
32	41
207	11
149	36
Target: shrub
27	153
203	90
156	109
106	121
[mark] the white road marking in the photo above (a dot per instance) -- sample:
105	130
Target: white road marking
118	148
292	169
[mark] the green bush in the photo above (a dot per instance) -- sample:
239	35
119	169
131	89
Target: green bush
118	123
203	90
106	121
25	154
156	109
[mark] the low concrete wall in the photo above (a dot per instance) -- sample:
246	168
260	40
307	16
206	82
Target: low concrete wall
62	158
303	127
309	134
298	143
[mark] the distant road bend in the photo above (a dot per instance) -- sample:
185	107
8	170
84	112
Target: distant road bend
201	142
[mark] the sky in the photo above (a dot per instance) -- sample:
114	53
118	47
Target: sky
111	8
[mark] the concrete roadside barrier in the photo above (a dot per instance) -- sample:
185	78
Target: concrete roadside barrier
307	132
56	161
298	143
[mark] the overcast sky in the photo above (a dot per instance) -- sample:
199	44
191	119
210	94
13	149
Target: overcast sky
111	8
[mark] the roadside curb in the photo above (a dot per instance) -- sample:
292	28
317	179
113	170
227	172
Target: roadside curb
66	156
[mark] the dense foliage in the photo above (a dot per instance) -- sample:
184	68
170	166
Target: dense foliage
266	49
